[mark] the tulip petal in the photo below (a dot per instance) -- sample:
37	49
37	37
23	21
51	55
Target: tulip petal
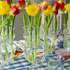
48	11
4	8
67	7
14	11
32	10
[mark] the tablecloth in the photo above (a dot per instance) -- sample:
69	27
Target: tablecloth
21	62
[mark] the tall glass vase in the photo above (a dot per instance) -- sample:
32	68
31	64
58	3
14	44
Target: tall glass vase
35	56
34	50
5	48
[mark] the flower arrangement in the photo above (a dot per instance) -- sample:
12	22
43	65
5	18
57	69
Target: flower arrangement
8	17
7	7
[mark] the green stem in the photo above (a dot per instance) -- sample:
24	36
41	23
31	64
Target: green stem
4	23
1	55
45	37
3	36
30	33
65	36
39	24
55	25
12	26
8	22
45	46
35	38
53	41
25	24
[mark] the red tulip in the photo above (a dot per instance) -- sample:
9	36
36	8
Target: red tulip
55	12
14	11
8	1
55	6
21	3
61	5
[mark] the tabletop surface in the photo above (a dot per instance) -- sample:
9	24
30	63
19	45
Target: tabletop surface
21	62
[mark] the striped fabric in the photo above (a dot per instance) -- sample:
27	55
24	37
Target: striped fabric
21	62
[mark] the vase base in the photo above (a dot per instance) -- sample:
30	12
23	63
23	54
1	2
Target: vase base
34	66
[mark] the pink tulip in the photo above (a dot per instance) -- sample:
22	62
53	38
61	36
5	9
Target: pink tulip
44	5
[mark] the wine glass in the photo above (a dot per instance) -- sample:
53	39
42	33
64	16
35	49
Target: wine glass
62	55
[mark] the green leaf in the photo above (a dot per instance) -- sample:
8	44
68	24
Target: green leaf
49	23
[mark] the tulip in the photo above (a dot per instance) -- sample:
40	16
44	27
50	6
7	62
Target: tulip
48	11
4	8
43	6
61	5
8	1
67	7
55	12
13	4
21	3
32	10
55	6
14	11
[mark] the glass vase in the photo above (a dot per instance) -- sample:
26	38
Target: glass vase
34	50
35	55
5	49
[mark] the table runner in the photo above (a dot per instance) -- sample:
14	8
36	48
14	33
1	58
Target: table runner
21	62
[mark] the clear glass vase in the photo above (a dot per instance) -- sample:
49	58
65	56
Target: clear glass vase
67	46
35	55
5	49
34	50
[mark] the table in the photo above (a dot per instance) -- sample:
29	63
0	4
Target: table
21	62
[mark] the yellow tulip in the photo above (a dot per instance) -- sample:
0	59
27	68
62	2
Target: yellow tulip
13	4
4	8
32	10
67	7
48	11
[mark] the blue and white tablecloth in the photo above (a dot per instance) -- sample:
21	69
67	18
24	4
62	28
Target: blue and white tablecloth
21	62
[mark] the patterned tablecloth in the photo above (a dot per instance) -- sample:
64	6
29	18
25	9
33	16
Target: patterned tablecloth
21	62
